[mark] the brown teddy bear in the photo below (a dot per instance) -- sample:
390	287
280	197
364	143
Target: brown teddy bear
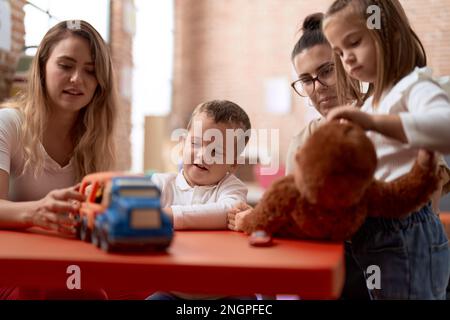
333	189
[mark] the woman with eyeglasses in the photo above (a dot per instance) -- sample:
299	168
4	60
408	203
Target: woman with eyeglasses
313	62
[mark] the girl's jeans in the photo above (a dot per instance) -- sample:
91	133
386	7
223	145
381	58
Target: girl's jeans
411	255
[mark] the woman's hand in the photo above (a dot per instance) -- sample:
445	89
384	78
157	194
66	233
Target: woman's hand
352	114
54	211
236	216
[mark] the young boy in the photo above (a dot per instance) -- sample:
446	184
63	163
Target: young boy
206	188
199	196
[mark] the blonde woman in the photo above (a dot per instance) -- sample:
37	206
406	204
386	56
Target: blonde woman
59	130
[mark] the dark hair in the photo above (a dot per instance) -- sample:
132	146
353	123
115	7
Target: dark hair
312	34
224	111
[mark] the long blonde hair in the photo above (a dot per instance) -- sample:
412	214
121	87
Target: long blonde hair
93	131
398	49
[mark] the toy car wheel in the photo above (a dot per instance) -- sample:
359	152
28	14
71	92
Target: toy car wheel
78	231
95	237
104	244
164	246
76	219
85	233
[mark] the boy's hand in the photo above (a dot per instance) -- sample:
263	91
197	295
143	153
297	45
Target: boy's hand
236	216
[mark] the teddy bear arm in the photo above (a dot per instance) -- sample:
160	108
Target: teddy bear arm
273	210
403	195
262	219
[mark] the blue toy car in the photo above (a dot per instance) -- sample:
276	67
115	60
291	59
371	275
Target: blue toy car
131	217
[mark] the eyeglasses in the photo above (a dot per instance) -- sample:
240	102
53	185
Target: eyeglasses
305	86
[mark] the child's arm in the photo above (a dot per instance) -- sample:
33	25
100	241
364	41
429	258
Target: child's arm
273	210
203	216
425	125
389	125
211	215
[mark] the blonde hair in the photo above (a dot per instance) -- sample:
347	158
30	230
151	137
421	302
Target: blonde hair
93	131
398	49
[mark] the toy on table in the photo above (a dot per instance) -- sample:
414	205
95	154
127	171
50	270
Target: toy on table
333	189
122	211
260	238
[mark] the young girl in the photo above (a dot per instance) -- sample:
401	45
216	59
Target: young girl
58	131
406	111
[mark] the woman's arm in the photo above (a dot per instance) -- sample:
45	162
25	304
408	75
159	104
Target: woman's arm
48	213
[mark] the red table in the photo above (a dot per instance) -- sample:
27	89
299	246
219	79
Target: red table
215	262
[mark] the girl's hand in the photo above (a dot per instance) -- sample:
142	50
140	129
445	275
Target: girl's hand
53	211
352	114
427	160
236	216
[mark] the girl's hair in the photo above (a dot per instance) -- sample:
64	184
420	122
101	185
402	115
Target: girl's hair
312	34
398	48
93	131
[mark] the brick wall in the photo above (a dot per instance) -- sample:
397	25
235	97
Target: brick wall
121	49
227	49
8	60
431	21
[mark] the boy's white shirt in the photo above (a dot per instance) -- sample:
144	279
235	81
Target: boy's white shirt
424	110
199	207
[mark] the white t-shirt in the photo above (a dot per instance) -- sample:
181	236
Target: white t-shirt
298	141
27	187
199	207
424	109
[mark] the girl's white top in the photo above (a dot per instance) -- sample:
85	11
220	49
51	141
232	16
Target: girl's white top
424	109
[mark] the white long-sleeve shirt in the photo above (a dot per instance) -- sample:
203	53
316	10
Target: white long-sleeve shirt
424	109
199	207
